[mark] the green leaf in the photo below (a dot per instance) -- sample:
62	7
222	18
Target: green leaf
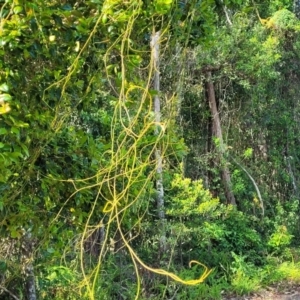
248	153
25	149
2	145
18	9
15	130
50	250
5	97
3	131
4	87
14	156
52	276
3	266
14	233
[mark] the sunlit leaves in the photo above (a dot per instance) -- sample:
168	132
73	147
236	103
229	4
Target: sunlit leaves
17	9
283	20
162	6
248	153
190	198
4	108
4	99
280	238
4	87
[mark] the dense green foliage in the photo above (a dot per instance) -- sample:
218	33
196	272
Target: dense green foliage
78	142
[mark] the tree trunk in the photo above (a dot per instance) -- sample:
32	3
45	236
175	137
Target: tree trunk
94	241
297	8
159	178
217	131
27	256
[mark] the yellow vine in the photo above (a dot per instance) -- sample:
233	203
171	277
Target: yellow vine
120	169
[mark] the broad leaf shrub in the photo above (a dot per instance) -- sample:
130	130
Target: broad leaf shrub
239	246
246	277
211	229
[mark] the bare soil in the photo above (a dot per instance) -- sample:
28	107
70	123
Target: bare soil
284	291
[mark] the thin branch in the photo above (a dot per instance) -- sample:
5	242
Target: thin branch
227	15
255	185
9	292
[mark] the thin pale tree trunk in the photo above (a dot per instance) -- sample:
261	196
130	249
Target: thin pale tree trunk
226	178
159	170
288	159
226	13
297	8
27	255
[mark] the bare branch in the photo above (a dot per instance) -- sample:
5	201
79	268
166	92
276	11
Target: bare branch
9	292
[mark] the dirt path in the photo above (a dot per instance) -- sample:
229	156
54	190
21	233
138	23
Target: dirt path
290	292
269	296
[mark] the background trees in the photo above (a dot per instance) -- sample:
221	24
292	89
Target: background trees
79	135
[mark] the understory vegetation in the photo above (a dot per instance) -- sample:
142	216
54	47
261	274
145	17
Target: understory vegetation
148	149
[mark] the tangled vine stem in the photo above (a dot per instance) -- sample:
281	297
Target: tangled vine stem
127	136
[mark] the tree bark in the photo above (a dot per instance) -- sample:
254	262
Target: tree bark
94	241
297	8
27	255
217	131
159	176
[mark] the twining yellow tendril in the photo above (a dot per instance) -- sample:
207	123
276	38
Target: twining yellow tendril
136	259
131	155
